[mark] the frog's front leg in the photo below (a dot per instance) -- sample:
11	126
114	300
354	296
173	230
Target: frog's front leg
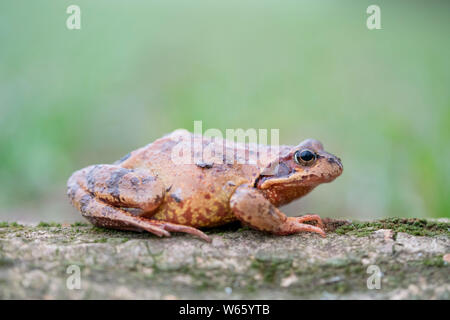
99	193
252	208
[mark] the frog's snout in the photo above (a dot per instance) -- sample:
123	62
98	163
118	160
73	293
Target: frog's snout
337	161
336	166
331	166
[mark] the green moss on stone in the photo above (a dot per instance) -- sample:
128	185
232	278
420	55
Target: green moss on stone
5	262
10	225
413	226
436	261
79	224
101	240
48	224
271	268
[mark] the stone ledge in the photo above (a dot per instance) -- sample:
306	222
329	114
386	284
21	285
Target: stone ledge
238	264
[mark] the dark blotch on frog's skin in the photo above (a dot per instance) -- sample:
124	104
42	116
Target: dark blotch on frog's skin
168	145
283	170
148	179
90	180
84	202
135	183
72	190
176	198
107	211
204	165
113	183
331	160
125	157
272	211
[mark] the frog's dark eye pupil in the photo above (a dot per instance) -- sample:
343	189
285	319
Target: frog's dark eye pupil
304	157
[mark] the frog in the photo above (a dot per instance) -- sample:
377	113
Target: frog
154	189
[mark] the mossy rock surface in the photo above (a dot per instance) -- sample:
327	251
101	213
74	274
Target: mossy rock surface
239	264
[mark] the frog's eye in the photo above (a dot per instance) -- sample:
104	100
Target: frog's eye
304	157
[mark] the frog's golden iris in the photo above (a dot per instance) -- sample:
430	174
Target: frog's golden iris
304	157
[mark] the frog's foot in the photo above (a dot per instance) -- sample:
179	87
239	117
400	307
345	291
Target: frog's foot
252	208
105	215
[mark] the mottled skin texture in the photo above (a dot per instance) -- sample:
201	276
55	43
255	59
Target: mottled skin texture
153	190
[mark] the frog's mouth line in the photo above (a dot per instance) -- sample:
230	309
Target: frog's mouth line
292	180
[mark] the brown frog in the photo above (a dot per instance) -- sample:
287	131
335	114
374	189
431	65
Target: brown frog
149	190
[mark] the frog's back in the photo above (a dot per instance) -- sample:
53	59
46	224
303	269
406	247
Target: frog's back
198	188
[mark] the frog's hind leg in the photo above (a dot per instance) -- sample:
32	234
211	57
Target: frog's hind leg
121	187
252	208
104	215
100	192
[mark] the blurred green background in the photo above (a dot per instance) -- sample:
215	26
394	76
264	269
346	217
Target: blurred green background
136	70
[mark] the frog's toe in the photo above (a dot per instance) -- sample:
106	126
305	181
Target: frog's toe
293	225
160	232
311	217
163	229
181	228
190	230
